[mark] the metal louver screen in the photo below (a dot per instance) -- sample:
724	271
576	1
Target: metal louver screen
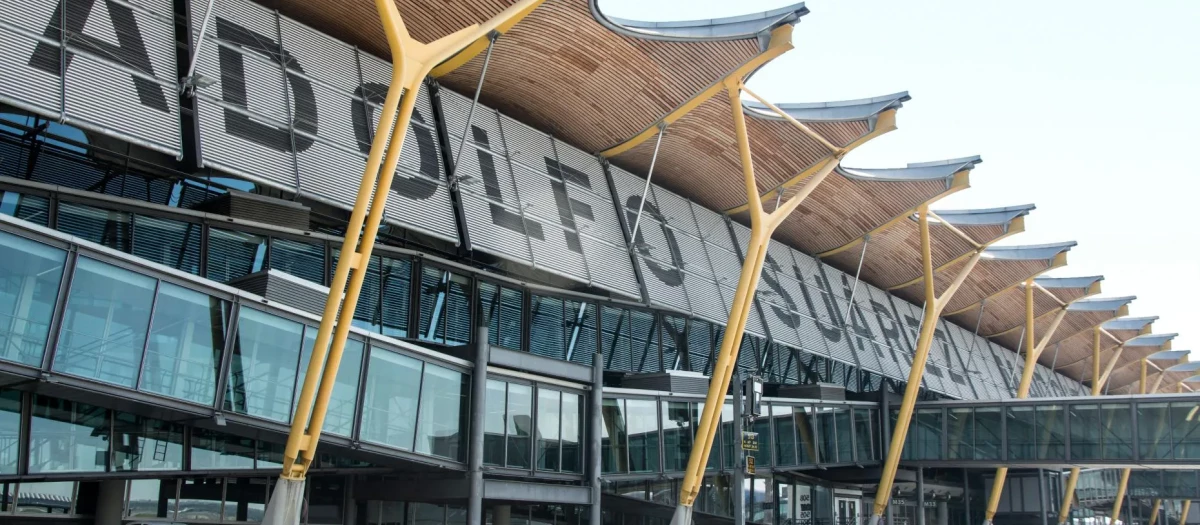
119	69
537	201
294	109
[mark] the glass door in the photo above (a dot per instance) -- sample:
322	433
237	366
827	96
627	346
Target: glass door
847	511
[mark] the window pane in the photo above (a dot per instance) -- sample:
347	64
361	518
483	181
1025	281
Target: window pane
1153	418
1185	430
644	329
549	421
214	450
613	451
762	426
187	338
30	273
865	435
642	425
104	227
396	285
785	435
925	434
443	397
151	498
200	500
829	437
807	449
678	434
1116	434
340	416
30	208
458	311
581	332
445	309
615	326
493	422
167	242
503	308
302	259
104	328
961	440
48	497
67	437
390	402
141	443
1022	427
520	424
987	433
262	373
246	498
572	454
1086	427
10	431
234	254
546	327
1051	432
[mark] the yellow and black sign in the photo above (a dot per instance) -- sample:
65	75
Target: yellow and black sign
750	441
750	465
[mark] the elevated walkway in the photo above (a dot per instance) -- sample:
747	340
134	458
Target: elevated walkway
1160	432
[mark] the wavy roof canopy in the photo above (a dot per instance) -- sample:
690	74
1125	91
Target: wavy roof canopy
1001	268
1127	372
1003	314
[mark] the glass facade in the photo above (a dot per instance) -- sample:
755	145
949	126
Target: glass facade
789	435
510	423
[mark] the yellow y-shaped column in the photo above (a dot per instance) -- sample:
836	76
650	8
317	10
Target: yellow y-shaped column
1031	359
411	62
934	304
1073	479
762	225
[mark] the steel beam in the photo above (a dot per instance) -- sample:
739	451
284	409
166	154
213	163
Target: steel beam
762	225
933	309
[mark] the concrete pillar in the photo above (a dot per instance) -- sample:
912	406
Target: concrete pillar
110	502
739	455
920	496
943	513
478	411
502	515
596	424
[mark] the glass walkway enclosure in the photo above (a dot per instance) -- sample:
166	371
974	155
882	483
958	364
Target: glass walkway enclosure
1139	431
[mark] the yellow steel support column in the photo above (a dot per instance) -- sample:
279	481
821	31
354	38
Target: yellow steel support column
934	305
1183	514
762	225
1069	490
1154	512
1031	358
1120	499
411	62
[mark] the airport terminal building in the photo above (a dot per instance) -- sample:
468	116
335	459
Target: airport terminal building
558	260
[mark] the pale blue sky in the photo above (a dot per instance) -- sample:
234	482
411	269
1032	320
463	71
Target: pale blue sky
1087	109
